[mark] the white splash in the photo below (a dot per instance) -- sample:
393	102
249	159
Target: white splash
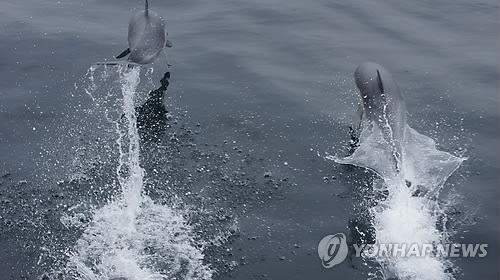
132	237
409	214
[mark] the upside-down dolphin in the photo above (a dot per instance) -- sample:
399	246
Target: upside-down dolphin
387	145
147	38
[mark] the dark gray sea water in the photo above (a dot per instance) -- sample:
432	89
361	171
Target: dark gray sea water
234	149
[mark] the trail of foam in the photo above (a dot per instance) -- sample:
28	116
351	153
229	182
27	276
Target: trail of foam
132	237
157	244
406	219
129	172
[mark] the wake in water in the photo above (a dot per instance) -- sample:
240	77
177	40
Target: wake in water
132	237
410	213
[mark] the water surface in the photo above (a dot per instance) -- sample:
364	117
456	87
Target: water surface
265	87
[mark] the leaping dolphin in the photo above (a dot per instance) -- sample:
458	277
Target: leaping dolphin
387	145
147	38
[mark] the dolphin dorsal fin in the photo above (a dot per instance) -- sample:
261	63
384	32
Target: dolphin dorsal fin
146	10
380	84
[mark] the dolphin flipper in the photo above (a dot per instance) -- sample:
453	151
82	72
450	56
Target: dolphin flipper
166	57
430	166
168	44
124	53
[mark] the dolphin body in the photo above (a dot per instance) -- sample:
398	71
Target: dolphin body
387	145
383	105
147	38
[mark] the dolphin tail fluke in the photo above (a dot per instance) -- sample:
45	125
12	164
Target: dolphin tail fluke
429	168
123	54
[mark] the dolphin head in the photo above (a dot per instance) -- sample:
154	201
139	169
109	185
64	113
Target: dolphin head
369	83
376	88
